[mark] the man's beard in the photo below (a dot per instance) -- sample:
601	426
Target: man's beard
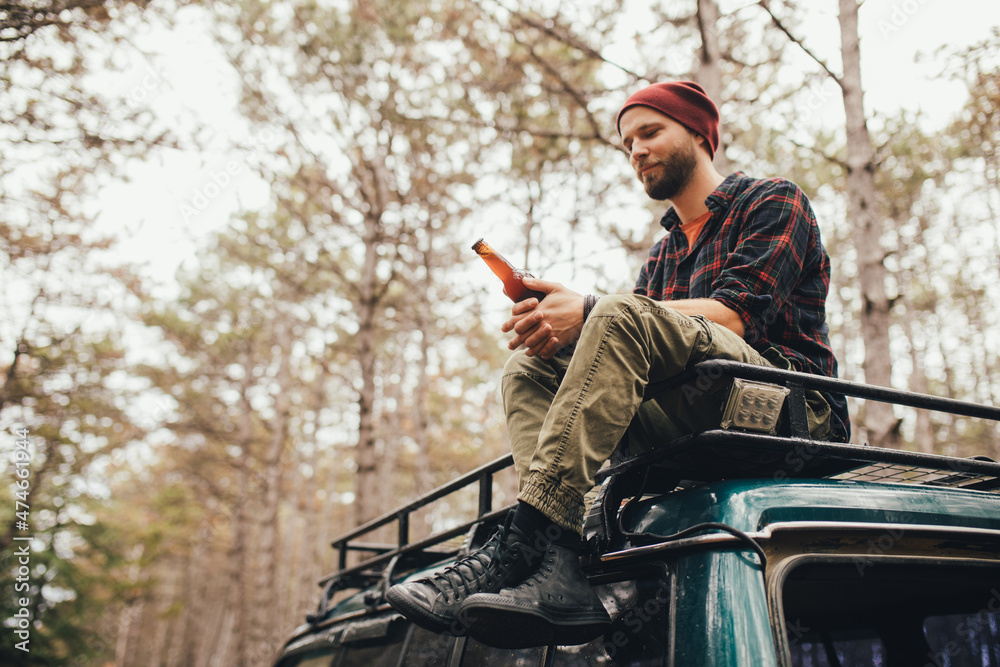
675	171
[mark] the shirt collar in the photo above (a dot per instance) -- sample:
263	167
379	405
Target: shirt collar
719	200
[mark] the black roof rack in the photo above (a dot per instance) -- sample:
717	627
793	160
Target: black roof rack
702	457
720	454
482	475
404	555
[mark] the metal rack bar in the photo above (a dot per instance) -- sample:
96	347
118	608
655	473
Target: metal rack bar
483	476
717	368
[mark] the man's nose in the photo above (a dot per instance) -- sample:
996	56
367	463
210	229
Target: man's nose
639	151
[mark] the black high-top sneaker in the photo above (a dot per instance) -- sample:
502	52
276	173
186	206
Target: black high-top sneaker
555	605
433	602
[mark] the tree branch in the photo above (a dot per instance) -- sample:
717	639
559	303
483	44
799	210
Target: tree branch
823	154
21	20
577	96
572	41
765	5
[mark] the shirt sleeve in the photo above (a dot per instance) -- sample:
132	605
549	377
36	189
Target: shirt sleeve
766	261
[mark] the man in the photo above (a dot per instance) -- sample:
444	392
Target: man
741	275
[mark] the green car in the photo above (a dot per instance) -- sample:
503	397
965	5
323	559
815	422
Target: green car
727	547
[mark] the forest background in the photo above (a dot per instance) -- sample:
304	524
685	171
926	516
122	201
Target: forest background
240	312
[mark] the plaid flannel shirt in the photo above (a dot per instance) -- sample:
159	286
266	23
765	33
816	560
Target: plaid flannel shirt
759	254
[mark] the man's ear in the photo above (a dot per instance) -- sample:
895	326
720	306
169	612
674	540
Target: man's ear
702	142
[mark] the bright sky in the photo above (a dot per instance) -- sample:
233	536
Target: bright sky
893	32
170	202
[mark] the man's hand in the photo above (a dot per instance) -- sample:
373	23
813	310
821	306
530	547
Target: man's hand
544	327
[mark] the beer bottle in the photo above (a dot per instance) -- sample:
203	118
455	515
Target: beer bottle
513	278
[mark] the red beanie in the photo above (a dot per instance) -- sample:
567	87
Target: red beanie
685	102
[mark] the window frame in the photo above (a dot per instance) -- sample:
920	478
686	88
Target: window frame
779	575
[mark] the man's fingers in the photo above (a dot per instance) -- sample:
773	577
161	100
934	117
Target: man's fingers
537	339
522	307
550	349
540	285
546	349
536	333
527	324
521	333
519	312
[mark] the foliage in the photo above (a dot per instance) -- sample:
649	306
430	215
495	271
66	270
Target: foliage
63	365
335	351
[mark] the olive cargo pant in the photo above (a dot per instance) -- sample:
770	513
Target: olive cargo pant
565	416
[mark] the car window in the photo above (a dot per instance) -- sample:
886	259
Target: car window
836	648
893	611
971	639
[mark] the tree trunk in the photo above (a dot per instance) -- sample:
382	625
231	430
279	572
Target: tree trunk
372	186
423	475
862	210
195	608
923	435
391	434
365	501
262	629
240	574
167	592
707	73
132	609
298	558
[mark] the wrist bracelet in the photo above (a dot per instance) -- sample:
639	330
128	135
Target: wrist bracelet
589	301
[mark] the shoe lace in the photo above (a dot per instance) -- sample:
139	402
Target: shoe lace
457	577
543	570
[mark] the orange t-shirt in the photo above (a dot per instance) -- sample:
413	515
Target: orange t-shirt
692	228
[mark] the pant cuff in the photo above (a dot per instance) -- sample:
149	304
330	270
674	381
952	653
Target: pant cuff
562	504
